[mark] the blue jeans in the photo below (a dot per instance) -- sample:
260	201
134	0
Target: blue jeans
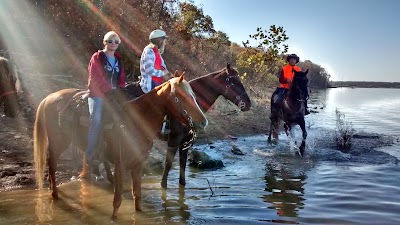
154	84
279	95
95	128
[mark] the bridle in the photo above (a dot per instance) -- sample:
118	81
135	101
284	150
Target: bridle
228	85
182	110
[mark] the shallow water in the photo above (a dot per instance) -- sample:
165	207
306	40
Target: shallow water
266	185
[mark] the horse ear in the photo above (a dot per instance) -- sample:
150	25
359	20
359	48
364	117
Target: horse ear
228	67
181	78
176	73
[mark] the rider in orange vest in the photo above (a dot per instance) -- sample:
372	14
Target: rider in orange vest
286	78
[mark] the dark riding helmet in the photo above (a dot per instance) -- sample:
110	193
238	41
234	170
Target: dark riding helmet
293	56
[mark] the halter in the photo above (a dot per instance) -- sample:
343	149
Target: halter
7	93
183	111
241	103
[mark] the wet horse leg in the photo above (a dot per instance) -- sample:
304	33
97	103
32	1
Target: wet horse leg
136	175
117	186
85	169
183	155
302	125
169	159
52	162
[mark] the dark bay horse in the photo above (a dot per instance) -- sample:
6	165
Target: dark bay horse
8	90
291	110
132	138
225	82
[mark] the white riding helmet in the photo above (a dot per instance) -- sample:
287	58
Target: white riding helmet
157	34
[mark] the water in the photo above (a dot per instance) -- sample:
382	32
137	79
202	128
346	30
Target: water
266	185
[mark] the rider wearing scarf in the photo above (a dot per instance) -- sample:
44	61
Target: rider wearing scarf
153	70
152	66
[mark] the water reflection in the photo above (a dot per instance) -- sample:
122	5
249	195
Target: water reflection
43	209
175	210
285	189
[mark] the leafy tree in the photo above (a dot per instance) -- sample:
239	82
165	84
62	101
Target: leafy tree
265	59
193	22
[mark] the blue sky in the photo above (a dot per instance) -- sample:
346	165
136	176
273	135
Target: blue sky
356	40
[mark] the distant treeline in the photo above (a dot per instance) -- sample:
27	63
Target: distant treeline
364	84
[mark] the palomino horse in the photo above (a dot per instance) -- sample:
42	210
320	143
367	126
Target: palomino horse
291	110
208	88
132	139
8	90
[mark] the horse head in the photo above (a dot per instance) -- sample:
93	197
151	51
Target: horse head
231	88
183	106
299	86
8	89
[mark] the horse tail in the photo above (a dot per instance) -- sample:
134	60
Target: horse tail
40	144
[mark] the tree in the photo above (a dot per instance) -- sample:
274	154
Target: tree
265	59
193	22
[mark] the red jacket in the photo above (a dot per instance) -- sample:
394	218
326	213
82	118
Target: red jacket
98	84
287	72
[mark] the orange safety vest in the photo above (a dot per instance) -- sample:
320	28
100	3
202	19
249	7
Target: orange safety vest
288	73
157	66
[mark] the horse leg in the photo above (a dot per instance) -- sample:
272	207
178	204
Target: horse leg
52	162
85	169
270	132
54	154
303	142
136	175
169	159
183	155
107	167
118	184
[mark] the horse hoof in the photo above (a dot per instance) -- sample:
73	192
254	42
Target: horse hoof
298	154
114	218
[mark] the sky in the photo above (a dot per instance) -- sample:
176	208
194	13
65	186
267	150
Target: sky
354	40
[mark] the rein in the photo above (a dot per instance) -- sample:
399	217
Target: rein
241	104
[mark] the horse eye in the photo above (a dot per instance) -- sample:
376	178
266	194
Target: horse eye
176	99
227	79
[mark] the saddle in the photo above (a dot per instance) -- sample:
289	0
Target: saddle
76	110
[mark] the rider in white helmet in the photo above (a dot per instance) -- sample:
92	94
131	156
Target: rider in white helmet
152	66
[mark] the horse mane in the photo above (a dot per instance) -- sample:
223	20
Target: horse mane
184	85
6	70
210	74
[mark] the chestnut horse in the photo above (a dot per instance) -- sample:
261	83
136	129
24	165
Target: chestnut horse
131	139
8	90
292	110
225	82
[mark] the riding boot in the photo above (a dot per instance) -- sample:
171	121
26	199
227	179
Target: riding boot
165	127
